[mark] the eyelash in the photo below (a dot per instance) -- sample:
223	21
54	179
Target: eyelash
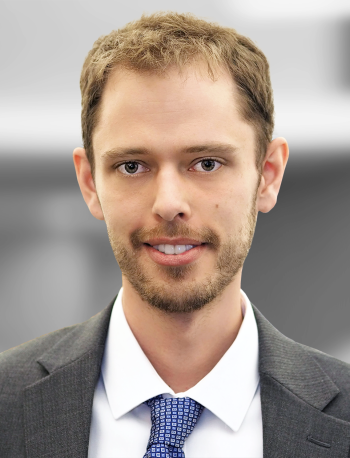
209	159
117	167
129	162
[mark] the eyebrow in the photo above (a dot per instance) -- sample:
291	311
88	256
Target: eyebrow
210	148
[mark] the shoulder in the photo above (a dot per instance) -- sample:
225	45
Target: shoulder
280	352
34	364
19	366
29	362
24	365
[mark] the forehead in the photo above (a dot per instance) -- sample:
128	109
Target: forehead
171	108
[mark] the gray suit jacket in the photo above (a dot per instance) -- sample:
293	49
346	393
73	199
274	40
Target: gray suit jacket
47	388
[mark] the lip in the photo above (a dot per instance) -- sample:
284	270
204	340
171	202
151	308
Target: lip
175	259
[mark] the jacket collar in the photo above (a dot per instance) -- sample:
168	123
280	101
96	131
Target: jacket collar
292	366
279	357
80	339
294	391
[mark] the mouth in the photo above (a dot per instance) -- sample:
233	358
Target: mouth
173	249
175	254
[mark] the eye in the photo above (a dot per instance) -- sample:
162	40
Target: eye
131	168
207	165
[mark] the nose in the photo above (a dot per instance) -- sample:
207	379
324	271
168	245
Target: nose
171	196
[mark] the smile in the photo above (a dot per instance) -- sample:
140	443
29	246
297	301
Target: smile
173	249
179	254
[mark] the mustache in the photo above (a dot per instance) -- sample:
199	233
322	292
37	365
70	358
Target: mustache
203	235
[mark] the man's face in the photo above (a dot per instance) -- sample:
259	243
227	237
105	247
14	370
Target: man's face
175	170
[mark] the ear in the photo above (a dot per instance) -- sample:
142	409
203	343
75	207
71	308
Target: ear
86	182
272	173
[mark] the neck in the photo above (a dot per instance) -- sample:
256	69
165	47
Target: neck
184	347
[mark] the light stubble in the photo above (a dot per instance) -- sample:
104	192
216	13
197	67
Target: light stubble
182	294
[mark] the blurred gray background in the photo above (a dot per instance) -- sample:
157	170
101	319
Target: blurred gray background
57	267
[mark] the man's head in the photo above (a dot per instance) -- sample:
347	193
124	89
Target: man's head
157	42
176	168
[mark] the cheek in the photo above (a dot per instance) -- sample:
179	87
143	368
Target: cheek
232	207
122	213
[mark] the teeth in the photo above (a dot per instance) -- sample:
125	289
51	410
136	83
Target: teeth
173	249
180	249
169	249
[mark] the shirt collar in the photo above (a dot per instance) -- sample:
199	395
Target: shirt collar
227	390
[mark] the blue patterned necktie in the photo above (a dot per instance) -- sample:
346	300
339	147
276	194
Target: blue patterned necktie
173	420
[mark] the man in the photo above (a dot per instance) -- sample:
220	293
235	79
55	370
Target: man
178	158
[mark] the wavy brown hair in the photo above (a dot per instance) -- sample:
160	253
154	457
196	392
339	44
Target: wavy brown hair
163	39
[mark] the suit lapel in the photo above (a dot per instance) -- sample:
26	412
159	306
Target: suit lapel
294	429
57	409
294	391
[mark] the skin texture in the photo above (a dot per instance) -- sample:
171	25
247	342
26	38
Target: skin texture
184	316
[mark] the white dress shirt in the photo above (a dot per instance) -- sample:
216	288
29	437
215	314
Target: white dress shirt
231	423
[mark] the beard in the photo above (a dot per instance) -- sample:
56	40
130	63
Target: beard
180	293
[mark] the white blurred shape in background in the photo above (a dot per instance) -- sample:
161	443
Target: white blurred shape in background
43	44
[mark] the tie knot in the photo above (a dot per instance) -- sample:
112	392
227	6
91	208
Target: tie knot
173	420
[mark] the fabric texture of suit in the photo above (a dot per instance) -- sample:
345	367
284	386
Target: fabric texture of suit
47	389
